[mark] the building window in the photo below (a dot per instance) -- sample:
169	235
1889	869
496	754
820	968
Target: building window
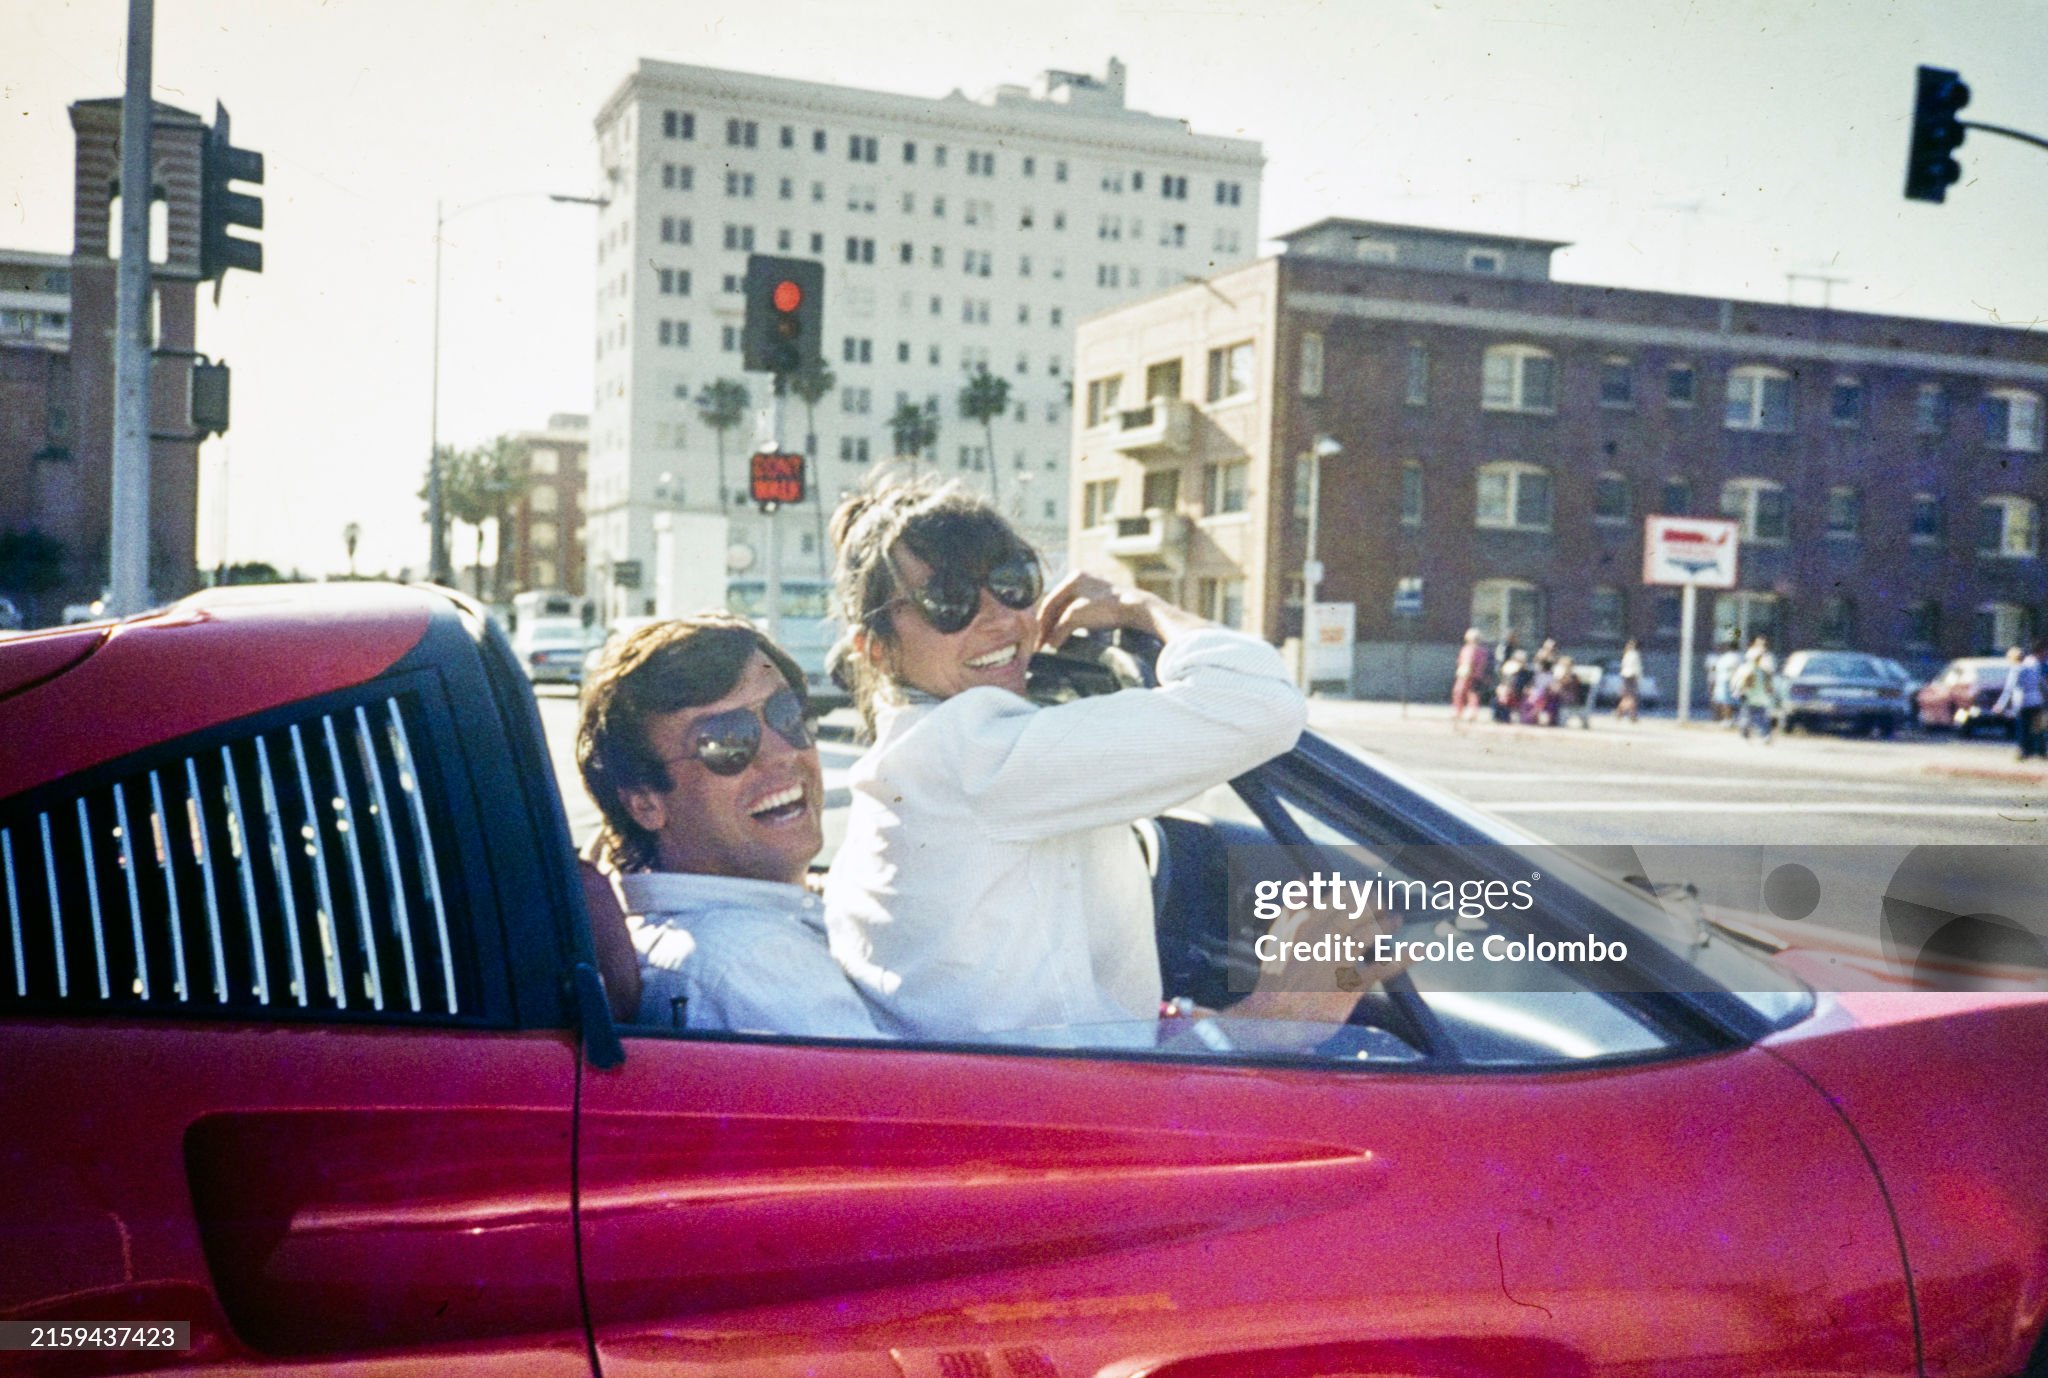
742	133
1482	261
2008	528
1411	493
1499	605
789	136
861	149
1930	409
1367	250
1222	600
1927	519
1838	621
1224	487
1845	402
1677	498
1680	385
859	250
1759	399
1162	379
740	237
1757	506
1415	390
1514	497
1617	383
1311	364
1230	371
853	449
909	151
740	184
1667	612
857	351
1923	625
729	338
2012	420
1607	614
1845	513
1161	491
1098	503
2001	626
1610	499
1102	399
1059	171
817	242
679	124
1518	378
1746	616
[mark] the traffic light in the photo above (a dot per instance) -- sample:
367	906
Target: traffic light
222	209
785	314
1937	133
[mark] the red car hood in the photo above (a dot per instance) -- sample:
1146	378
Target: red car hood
1949	1094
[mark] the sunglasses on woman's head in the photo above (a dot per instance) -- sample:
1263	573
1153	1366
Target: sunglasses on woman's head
950	599
728	742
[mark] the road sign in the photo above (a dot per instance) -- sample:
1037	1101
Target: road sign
1408	597
777	477
1699	551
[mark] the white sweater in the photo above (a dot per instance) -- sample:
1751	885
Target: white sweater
990	879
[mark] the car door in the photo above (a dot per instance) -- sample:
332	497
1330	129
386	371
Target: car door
274	1064
1629	1193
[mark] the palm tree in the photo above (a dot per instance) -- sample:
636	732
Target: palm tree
810	384
447	459
466	497
350	534
505	480
984	399
723	405
914	430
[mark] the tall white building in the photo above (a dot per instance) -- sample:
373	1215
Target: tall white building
956	234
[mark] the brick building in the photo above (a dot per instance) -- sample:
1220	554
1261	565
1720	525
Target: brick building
545	536
1503	436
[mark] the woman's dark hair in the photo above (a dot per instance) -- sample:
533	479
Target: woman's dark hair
937	520
659	669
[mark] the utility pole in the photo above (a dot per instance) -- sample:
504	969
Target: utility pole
128	535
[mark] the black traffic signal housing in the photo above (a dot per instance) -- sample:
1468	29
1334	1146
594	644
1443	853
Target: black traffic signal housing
1938	131
222	209
784	330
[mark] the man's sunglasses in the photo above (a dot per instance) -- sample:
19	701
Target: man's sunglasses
950	599
728	742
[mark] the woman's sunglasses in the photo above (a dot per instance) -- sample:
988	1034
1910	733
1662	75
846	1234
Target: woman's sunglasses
950	599
728	742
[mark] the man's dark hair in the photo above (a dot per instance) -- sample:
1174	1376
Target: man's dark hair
659	669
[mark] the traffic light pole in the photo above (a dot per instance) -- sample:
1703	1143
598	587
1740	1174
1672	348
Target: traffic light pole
128	534
774	535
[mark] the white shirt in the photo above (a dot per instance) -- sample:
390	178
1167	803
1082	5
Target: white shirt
742	956
990	879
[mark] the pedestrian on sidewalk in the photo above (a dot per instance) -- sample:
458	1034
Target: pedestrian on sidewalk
1506	693
1755	684
1630	703
1570	695
1471	680
1721	670
2022	698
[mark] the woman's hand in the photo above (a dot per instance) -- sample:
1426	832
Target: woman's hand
1087	600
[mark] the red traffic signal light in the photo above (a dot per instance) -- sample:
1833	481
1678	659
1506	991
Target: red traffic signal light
784	326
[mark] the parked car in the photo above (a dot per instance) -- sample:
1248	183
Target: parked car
551	649
1843	690
1961	696
305	1045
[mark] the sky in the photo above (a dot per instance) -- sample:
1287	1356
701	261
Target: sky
1711	147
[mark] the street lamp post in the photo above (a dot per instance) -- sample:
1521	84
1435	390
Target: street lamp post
437	550
1312	568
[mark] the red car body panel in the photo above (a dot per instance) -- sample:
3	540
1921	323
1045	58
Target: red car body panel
299	1195
783	1209
1969	1185
307	639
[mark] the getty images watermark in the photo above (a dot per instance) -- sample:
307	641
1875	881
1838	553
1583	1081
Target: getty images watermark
1536	919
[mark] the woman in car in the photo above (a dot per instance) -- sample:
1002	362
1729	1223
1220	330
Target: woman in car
990	879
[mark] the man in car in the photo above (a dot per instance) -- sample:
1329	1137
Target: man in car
695	744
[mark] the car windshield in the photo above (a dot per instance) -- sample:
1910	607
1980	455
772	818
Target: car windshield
1833	666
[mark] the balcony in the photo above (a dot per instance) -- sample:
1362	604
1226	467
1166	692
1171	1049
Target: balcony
1165	426
1155	542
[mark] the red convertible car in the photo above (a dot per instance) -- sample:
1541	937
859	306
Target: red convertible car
304	1046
